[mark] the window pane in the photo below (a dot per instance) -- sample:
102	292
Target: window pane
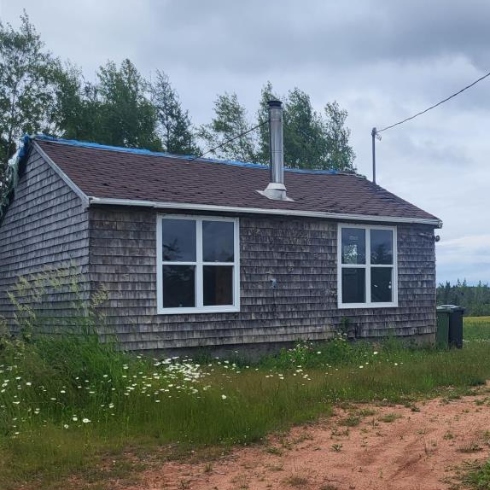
353	246
179	240
218	285
381	247
218	241
179	286
353	285
381	285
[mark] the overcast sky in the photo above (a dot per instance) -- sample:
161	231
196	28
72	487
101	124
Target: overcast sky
381	60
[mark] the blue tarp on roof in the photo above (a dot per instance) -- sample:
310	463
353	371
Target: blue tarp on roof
138	151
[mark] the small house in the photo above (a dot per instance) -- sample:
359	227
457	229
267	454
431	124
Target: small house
196	253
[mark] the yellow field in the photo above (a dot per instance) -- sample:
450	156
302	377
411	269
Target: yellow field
477	320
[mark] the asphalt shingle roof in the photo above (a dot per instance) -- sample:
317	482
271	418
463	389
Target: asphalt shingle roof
117	173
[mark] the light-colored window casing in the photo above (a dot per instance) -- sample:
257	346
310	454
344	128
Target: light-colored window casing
199	263
367	266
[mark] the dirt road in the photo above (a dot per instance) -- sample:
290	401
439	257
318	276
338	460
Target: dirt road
364	447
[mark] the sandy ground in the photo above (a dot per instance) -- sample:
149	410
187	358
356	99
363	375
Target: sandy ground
392	447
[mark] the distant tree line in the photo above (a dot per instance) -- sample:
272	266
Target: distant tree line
475	299
40	93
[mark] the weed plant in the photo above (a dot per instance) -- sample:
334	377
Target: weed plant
478	476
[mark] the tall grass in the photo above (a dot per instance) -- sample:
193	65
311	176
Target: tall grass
66	401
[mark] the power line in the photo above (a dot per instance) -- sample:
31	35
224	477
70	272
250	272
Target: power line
435	105
230	140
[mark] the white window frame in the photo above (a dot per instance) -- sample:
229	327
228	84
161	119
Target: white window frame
199	263
367	266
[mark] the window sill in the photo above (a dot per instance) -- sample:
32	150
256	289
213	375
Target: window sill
194	310
371	306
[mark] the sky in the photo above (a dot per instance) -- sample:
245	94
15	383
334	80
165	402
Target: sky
381	60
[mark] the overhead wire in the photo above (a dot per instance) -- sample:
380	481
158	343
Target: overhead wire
230	140
433	106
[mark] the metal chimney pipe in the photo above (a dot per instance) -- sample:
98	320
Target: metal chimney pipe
276	189
276	141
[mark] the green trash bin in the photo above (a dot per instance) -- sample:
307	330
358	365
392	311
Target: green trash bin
450	320
442	332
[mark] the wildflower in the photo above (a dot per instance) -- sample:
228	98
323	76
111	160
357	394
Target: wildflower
62	391
86	421
375	353
66	426
75	418
361	366
28	383
223	397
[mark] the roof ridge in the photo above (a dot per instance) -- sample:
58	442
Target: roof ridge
145	152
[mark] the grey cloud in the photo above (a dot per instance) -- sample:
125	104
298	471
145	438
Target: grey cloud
250	36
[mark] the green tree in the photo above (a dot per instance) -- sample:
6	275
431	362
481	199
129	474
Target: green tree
28	75
174	124
230	123
475	299
340	154
116	110
77	111
127	117
305	145
311	140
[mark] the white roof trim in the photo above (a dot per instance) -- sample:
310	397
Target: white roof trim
283	212
85	199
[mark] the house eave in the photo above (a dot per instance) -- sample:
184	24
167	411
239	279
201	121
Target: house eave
281	212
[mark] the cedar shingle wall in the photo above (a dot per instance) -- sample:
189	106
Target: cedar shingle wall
45	228
299	253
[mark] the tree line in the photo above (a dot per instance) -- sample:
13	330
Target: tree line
40	93
475	299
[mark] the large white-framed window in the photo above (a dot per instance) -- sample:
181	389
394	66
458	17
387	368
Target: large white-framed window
367	266
198	264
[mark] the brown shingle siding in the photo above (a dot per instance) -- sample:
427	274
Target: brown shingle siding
45	228
299	253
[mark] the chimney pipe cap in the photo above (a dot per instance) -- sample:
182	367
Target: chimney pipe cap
274	103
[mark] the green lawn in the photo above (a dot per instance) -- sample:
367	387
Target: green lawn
477	328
